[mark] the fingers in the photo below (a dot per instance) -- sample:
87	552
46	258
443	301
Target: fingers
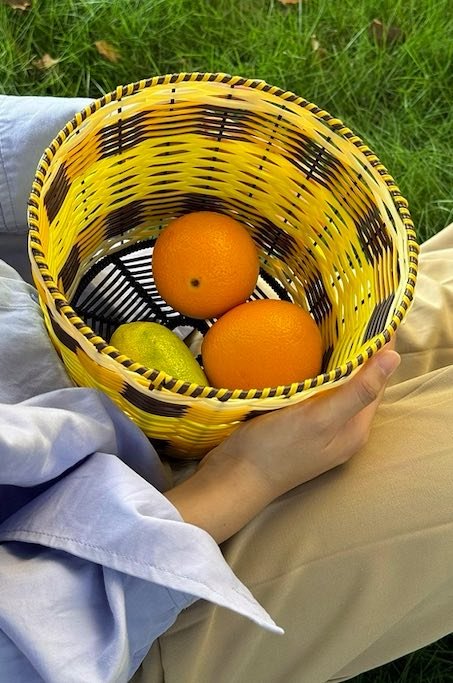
366	415
362	421
365	388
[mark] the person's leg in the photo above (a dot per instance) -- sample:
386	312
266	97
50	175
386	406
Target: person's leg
425	339
356	565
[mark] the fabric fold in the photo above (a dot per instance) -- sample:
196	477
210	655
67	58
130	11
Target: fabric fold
95	562
104	512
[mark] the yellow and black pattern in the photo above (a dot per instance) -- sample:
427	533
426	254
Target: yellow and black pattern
333	233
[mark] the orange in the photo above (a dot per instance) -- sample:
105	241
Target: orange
262	344
205	263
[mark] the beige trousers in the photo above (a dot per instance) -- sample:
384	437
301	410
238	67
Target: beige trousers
356	565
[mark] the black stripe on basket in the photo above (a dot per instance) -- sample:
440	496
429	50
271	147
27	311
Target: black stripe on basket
125	218
372	233
70	268
215	120
122	135
33	203
225	397
196	392
66	339
201	202
286	390
315	161
349	368
327	355
240	82
271	121
318	300
273	240
151	405
56	194
378	317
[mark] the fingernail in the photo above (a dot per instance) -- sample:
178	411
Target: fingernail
388	361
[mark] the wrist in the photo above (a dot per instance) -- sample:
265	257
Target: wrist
222	496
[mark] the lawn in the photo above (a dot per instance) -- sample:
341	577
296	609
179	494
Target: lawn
385	67
390	81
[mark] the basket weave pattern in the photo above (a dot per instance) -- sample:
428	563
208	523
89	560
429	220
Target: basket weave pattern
333	232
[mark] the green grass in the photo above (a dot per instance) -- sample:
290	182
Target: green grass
397	97
432	664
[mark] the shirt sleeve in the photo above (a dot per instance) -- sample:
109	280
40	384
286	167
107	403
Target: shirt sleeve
27	127
95	562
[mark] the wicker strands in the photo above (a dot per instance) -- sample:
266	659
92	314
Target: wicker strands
333	233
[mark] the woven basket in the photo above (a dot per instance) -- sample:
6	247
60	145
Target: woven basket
333	233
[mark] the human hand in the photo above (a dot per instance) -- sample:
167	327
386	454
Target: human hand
271	454
290	446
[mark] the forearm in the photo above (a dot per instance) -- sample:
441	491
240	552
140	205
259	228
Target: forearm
221	497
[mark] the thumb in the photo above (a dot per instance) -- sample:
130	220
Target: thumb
367	384
388	360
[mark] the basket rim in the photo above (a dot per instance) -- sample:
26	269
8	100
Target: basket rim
158	379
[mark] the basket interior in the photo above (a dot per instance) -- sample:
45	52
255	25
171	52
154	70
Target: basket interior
329	233
120	288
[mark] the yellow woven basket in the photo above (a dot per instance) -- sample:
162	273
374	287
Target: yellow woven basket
333	232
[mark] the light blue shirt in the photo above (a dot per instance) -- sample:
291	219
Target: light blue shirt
95	562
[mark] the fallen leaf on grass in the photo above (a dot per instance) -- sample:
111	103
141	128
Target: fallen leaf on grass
18	4
46	62
319	51
290	2
108	51
385	35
